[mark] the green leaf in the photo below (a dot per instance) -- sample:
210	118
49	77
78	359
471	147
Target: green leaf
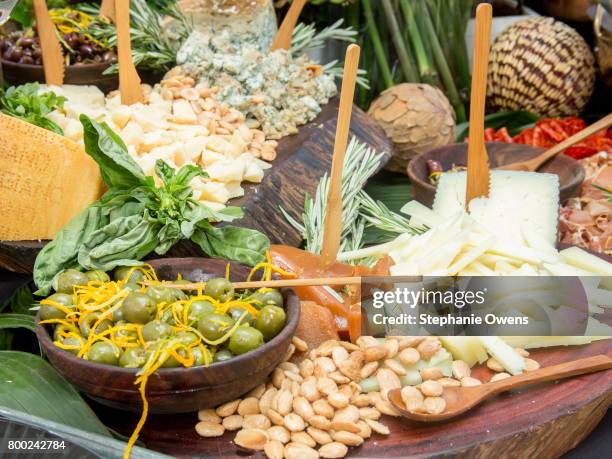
27	103
9	320
243	245
514	121
117	167
29	384
100	445
61	253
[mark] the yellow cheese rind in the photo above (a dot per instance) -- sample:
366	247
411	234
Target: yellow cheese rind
45	180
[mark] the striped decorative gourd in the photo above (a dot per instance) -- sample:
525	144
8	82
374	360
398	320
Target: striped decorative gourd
540	65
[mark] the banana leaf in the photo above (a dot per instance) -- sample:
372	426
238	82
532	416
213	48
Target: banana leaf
31	385
514	121
78	442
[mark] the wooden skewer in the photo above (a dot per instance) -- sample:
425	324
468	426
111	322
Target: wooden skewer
477	158
333	216
271	283
129	81
52	56
107	9
534	164
282	40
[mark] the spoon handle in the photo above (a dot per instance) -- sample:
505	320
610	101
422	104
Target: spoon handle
560	371
579	136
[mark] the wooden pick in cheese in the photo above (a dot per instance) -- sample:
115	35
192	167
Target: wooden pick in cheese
52	56
107	9
129	81
333	217
45	180
477	157
282	40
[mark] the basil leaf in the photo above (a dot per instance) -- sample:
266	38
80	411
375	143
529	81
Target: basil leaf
243	245
164	171
117	167
62	252
122	242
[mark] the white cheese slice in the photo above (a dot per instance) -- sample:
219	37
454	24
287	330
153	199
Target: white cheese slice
518	202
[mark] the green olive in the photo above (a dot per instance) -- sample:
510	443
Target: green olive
123	334
104	352
270	321
97	275
48	311
245	339
168	317
133	287
222	355
69	279
197	309
198	355
122	272
139	308
186	338
59	328
155	330
219	288
72	341
214	326
118	315
171	361
89	321
236	312
133	357
266	296
160	294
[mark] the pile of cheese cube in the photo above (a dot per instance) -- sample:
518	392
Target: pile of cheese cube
180	123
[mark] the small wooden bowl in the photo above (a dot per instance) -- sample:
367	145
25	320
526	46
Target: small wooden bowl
86	74
570	172
179	390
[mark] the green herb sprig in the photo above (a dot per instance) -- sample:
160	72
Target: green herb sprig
27	103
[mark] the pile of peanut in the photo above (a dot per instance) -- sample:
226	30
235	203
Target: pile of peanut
199	102
427	396
314	409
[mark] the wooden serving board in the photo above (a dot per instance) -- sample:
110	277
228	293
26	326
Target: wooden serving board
539	421
301	162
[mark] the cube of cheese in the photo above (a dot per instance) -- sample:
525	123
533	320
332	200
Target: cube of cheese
121	115
209	157
227	170
152	140
213	191
183	113
132	133
253	173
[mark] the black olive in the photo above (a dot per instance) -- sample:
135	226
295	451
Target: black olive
108	56
26	60
86	50
16	53
25	42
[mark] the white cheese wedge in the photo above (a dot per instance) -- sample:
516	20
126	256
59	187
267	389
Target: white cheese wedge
518	203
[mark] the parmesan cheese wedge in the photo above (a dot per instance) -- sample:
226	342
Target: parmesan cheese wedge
45	180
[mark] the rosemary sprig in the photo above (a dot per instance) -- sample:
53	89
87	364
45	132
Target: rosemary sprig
335	68
306	36
154	42
378	215
361	162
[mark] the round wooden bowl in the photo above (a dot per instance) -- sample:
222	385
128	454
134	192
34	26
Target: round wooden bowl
86	74
179	390
570	172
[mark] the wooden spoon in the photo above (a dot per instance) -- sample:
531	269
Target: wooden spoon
129	81
333	216
461	399
52	56
534	164
282	40
107	9
477	158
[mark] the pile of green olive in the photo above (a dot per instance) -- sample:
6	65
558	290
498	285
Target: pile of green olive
153	314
